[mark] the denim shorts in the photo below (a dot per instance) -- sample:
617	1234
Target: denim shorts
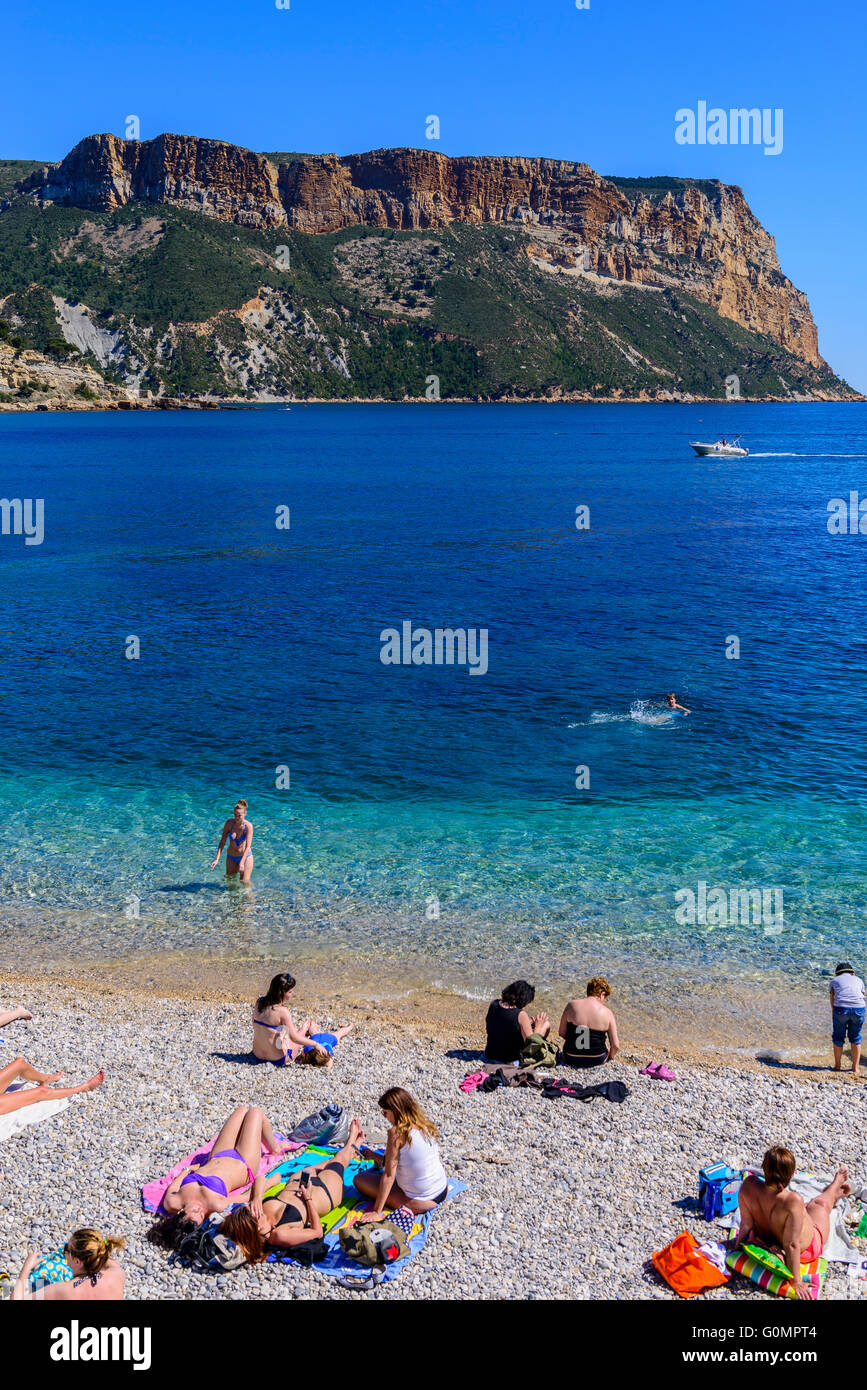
847	1022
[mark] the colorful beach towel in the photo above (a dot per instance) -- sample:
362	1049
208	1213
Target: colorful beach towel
772	1274
153	1192
309	1158
52	1269
336	1263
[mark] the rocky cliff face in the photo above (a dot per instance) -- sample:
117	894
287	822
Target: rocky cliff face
703	239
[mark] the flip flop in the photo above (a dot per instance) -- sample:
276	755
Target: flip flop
652	1069
665	1074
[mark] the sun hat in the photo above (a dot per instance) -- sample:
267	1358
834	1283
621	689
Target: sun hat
844	968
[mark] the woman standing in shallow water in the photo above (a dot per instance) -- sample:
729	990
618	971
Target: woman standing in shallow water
239	852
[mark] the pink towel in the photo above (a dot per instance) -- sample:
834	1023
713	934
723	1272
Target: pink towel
153	1192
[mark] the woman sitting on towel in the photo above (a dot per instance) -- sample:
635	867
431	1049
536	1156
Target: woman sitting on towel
19	1070
412	1174
275	1037
82	1272
294	1216
199	1191
588	1028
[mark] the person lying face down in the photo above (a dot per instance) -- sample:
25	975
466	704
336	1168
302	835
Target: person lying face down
294	1216
84	1271
200	1191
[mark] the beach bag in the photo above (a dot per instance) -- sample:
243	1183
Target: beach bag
374	1243
685	1268
204	1248
330	1125
310	1253
718	1187
538	1052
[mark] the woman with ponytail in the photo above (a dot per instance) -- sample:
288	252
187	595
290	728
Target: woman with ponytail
83	1271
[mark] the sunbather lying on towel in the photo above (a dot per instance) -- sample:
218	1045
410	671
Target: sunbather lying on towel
293	1217
19	1070
82	1272
781	1219
197	1192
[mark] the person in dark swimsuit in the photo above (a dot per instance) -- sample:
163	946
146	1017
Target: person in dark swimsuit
588	1028
508	1025
294	1216
239	851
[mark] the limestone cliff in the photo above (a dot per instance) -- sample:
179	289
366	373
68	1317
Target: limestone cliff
700	238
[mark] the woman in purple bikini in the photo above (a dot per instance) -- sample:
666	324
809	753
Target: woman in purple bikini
198	1192
239	850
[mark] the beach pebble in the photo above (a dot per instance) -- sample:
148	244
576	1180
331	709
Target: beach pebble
564	1200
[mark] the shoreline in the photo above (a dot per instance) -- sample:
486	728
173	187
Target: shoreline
563	1201
166	403
446	1017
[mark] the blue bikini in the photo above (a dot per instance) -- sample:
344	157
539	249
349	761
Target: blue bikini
275	1061
236	858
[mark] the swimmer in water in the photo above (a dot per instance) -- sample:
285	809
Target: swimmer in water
239	833
671	701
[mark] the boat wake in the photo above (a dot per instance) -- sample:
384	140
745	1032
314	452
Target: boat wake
808	456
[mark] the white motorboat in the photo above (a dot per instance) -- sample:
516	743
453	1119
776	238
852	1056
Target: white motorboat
722	449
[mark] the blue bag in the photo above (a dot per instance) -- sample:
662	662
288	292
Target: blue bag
718	1187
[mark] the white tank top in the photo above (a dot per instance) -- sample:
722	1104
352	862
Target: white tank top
420	1173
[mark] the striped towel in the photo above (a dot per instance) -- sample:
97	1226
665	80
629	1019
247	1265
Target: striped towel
771	1274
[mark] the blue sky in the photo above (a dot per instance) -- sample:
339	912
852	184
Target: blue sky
504	76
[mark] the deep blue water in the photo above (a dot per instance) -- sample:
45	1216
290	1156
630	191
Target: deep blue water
261	648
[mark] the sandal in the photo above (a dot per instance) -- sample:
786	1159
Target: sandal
652	1069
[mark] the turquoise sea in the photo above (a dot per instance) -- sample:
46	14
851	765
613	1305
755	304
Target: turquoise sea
432	830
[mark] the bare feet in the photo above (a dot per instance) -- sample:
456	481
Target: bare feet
841	1182
21	1012
94	1081
29	1073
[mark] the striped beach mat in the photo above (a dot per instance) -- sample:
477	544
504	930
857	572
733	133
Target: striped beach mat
772	1274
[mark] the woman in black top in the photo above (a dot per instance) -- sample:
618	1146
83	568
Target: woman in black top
588	1027
508	1025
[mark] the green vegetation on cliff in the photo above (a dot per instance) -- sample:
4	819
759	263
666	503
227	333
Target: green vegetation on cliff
205	306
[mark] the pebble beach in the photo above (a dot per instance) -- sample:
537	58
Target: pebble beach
563	1200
